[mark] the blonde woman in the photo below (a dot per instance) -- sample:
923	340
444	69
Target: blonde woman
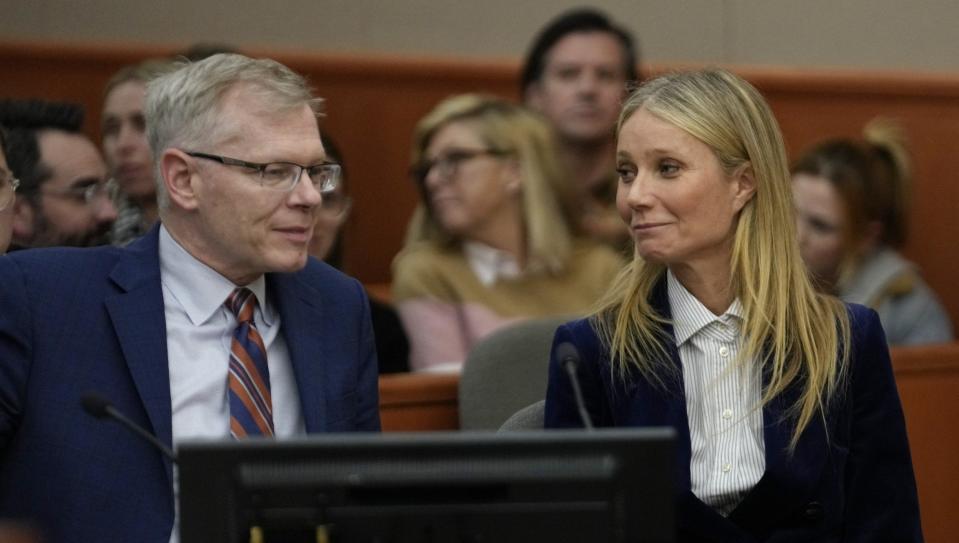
788	421
852	206
492	241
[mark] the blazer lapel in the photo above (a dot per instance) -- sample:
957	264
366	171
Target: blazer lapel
671	409
699	518
138	319
302	321
790	477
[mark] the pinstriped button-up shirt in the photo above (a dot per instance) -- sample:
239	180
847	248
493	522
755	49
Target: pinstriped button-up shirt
722	401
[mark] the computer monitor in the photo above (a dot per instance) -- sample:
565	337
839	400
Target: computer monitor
605	485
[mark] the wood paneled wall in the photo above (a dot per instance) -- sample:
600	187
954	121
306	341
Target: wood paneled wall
374	102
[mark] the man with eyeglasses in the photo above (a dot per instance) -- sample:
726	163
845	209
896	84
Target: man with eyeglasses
215	324
66	198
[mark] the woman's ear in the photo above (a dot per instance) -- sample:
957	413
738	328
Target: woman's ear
178	178
744	186
514	177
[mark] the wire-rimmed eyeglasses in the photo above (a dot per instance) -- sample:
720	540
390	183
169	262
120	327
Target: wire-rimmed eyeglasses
335	206
8	188
283	176
448	163
90	194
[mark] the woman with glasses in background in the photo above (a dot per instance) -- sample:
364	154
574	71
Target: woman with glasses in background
852	203
492	241
8	189
392	346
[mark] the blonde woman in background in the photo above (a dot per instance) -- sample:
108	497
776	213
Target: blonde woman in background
492	241
789	426
852	202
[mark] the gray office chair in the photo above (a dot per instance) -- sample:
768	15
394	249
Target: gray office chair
528	418
505	372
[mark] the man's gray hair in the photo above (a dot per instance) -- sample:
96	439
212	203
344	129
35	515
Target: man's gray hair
182	107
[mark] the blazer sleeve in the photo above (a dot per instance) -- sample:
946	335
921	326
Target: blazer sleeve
368	413
561	410
15	347
881	499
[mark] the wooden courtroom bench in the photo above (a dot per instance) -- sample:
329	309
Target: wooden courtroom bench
928	382
418	402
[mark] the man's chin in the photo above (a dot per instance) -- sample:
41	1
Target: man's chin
291	264
587	136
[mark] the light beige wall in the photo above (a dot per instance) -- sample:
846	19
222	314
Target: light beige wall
883	34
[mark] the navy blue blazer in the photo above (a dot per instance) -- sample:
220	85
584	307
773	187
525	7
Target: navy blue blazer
850	477
78	320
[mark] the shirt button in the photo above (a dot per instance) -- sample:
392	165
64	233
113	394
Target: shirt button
723	351
727	414
726	467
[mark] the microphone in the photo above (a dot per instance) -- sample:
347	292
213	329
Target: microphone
99	407
569	358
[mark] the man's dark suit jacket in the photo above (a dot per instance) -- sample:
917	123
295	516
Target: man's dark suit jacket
78	320
849	479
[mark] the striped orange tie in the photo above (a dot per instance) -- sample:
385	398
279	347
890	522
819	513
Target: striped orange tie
251	407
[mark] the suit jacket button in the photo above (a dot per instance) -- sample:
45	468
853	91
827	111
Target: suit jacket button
813	511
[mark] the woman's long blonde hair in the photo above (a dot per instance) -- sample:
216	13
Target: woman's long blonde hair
798	337
514	130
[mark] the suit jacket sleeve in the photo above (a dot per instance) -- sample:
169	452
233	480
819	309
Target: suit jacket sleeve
15	348
881	499
561	409
368	413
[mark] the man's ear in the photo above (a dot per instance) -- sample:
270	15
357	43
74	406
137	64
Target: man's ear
179	178
24	219
745	187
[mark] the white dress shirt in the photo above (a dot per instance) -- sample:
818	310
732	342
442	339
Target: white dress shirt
199	329
490	264
723	401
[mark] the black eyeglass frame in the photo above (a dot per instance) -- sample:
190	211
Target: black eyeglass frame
87	193
454	158
327	184
7	179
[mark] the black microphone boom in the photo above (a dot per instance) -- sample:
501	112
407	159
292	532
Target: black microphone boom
569	358
101	408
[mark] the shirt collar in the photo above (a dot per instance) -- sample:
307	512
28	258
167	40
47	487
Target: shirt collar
690	315
490	264
200	289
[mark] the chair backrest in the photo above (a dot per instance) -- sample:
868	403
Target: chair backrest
528	418
505	372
